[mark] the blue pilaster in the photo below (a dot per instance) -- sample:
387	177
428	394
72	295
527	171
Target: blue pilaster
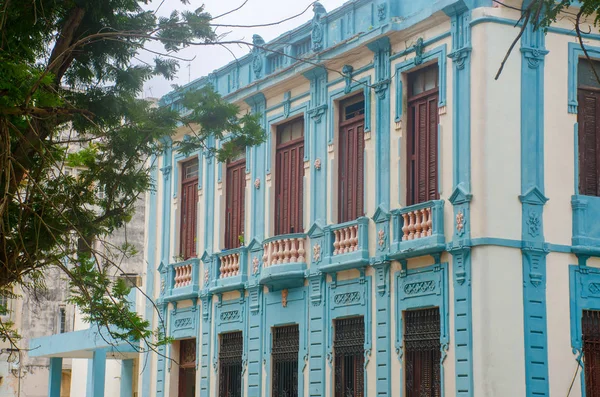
317	143
382	48
258	103
98	373
383	342
54	377
127	378
460	248
316	336
209	197
255	340
205	346
533	200
162	351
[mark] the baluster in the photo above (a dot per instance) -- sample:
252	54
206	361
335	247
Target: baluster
429	222
301	250
188	273
424	218
286	250
176	278
411	225
346	240
417	224
405	227
265	257
223	268
354	237
336	242
294	252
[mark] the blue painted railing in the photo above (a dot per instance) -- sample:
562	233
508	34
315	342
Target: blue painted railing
182	280
347	245
418	230
232	270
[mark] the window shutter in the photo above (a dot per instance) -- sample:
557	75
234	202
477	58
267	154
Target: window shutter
290	181
351	170
235	203
589	150
189	217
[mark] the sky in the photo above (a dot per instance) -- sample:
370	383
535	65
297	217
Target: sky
202	60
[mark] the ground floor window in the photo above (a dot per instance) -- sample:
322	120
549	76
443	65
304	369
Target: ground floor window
423	353
230	364
187	368
349	357
590	327
286	343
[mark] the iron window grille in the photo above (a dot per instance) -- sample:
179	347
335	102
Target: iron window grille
230	364
423	353
349	357
590	327
286	344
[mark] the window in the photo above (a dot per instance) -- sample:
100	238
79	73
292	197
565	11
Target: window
276	62
289	178
189	208
422	178
62	320
285	361
349	357
588	97
302	47
187	368
351	161
590	327
235	201
422	359
230	364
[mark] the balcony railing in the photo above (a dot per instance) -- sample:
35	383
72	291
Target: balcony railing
348	245
586	224
418	229
284	261
231	270
181	280
284	249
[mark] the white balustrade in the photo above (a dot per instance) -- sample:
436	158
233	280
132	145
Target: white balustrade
183	275
417	224
345	240
286	250
230	265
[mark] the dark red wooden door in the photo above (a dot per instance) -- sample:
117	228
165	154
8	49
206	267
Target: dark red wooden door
589	141
351	169
289	186
187	368
189	209
422	149
235	201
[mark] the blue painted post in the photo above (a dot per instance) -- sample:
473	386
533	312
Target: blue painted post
98	373
533	200
55	377
382	48
382	332
316	337
461	198
205	346
126	378
209	199
317	143
255	341
258	103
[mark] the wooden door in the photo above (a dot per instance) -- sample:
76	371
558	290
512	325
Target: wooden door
351	161
235	202
189	209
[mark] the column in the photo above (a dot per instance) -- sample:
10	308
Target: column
127	378
98	374
55	377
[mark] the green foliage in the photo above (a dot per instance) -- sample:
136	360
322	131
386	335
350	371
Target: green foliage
69	97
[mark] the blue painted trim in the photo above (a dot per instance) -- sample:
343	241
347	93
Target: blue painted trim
575	53
209	199
383	337
349	298
259	153
54	376
417	289
184	322
381	49
166	210
576	158
437	53
279	118
532	197
207	309
98	373
363	84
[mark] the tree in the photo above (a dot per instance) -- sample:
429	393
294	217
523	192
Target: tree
540	14
67	79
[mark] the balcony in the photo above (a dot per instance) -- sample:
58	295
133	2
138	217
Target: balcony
586	224
181	280
418	230
231	270
347	246
284	261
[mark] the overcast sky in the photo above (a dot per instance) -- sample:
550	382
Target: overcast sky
254	12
